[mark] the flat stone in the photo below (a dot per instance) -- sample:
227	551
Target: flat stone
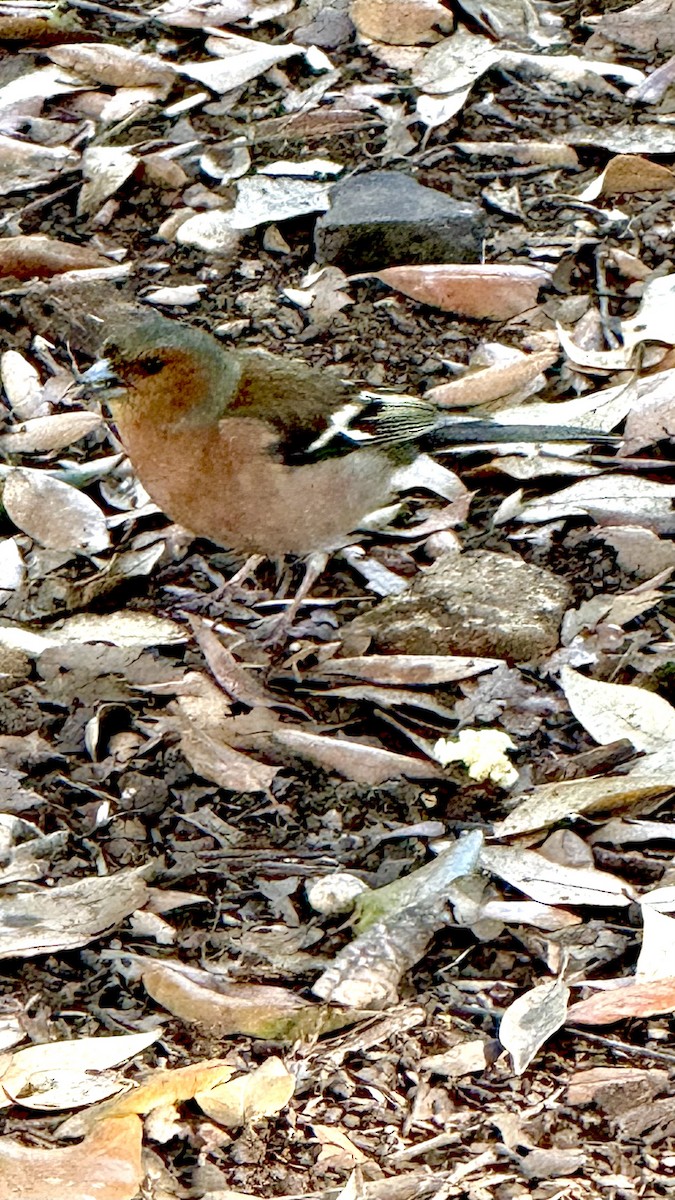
385	218
330	28
475	603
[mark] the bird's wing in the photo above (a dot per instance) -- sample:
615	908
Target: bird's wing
315	414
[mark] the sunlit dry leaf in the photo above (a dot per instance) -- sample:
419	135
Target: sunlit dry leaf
552	883
308	169
112	64
597	1084
652	414
489	291
241	685
27	854
202	13
657	953
609	500
662	899
400	22
25	165
12	566
263	1092
650	324
423	670
526	912
239	61
619	832
185	295
456	63
629	173
549	153
355	760
634	1000
531	1020
55	514
26	94
213	759
553	802
21	383
466	1058
126	628
492	383
61	918
107	1164
322	291
105	169
643	26
29	256
49	433
336	1147
602	410
58	1075
609	711
158	1089
217	1005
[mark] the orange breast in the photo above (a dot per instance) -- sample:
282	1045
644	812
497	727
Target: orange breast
222	484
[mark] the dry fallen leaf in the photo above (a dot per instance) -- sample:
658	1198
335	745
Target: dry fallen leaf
66	1074
107	1164
208	1001
263	1092
114	65
55	514
531	1020
28	256
610	711
634	1000
628	173
486	291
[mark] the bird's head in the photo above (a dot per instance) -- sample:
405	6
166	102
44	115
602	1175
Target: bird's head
153	363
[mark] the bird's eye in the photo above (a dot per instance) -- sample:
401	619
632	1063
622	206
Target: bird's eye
151	366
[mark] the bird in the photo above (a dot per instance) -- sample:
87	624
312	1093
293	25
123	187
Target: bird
262	454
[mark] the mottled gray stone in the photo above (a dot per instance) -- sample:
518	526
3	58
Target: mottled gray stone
475	603
385	218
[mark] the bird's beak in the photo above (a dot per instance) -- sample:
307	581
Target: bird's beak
100	378
100	374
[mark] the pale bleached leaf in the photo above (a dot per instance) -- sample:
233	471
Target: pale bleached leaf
55	514
531	1020
105	169
608	499
610	711
551	882
54	432
22	386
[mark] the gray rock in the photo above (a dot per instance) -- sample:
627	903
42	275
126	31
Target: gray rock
475	603
385	218
330	28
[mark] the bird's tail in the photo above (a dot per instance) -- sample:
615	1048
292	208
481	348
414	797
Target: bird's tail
455	431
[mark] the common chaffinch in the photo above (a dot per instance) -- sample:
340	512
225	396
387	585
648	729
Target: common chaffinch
262	454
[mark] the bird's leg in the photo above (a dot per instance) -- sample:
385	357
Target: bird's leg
275	629
247	571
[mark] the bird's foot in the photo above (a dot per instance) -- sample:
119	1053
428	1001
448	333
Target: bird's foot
272	632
